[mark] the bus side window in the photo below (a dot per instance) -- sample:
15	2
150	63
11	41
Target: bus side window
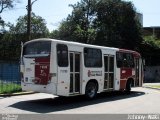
130	60
125	60
62	55
92	57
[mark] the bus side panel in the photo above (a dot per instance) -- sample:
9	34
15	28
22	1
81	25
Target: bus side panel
63	81
52	88
29	70
117	79
125	73
63	76
93	74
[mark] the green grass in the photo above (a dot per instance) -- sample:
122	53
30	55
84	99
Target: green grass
153	86
8	88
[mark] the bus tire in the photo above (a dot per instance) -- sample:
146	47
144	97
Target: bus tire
91	90
128	87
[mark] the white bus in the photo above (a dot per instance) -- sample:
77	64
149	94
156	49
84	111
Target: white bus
69	68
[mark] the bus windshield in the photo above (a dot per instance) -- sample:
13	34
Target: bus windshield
37	48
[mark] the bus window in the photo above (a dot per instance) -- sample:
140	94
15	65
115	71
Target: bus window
92	57
125	60
130	60
62	55
38	48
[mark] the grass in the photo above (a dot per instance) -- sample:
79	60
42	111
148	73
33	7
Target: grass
153	86
8	88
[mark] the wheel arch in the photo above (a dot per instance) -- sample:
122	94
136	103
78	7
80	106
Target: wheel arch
94	81
130	80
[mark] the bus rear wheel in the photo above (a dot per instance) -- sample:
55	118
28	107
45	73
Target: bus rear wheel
91	90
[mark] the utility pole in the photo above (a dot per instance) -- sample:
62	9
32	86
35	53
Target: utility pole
87	22
29	20
29	8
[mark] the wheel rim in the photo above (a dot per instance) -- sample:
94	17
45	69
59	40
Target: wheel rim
91	91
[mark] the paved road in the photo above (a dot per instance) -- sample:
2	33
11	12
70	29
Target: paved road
141	100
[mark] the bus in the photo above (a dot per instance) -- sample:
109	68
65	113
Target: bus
65	68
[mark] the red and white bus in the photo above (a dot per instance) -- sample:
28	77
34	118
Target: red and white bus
69	68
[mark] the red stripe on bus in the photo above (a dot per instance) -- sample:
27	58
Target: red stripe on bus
126	73
122	84
42	70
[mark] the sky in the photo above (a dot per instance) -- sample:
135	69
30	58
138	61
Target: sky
54	11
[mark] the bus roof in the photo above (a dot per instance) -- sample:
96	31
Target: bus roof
135	53
84	45
71	43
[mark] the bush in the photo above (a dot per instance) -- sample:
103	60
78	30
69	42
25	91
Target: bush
9	88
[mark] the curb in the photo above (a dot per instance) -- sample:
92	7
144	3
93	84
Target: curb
151	87
16	94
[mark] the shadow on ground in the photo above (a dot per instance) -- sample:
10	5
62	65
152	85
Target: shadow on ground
66	103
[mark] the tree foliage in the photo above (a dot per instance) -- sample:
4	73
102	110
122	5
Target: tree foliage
151	41
6	4
102	22
150	50
117	25
10	43
38	27
79	25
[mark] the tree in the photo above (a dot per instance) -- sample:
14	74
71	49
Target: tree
78	26
150	50
2	24
5	4
54	34
102	22
116	24
11	41
38	27
83	15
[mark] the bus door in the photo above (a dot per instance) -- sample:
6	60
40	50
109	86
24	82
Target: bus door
62	70
108	72
75	74
137	72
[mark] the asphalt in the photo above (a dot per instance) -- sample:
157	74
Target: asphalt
145	85
139	101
